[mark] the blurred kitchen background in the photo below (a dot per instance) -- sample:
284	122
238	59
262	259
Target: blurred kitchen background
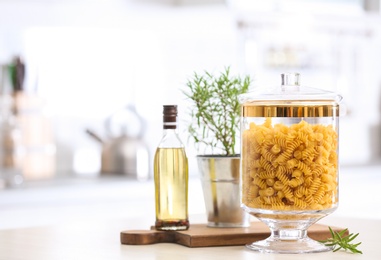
96	71
85	76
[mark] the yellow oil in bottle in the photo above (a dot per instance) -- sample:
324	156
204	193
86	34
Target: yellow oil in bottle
171	189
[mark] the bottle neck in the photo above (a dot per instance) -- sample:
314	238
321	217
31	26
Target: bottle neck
170	128
170	131
170	135
170	138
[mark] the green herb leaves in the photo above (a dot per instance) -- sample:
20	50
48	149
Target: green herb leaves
339	241
216	110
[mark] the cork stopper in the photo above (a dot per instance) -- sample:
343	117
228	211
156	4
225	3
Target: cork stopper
169	116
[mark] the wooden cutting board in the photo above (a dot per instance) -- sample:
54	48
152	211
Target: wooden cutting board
199	235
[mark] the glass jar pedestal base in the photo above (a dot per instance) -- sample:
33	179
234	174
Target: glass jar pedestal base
288	231
288	243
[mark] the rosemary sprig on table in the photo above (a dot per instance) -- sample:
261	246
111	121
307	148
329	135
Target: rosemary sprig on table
339	241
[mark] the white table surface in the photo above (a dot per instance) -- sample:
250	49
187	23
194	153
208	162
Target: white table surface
82	219
100	240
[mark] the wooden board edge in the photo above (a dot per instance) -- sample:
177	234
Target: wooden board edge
147	237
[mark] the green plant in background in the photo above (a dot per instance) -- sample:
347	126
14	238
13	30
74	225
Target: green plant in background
215	113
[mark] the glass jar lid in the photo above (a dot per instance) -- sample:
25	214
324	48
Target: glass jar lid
290	99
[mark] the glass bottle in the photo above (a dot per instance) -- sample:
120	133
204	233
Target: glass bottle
171	176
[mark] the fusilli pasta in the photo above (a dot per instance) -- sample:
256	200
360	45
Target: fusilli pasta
289	167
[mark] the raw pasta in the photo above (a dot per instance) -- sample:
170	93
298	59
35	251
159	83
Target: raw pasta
289	167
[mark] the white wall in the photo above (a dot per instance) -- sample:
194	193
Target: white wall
94	57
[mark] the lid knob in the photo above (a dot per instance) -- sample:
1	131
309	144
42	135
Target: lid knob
290	79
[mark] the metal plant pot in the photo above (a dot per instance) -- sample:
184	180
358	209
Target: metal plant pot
220	183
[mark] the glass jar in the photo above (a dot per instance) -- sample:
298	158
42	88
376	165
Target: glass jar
289	162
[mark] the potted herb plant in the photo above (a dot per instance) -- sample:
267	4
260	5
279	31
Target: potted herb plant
215	111
215	129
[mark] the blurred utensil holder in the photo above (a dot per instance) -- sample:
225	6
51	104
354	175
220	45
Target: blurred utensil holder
39	161
11	148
